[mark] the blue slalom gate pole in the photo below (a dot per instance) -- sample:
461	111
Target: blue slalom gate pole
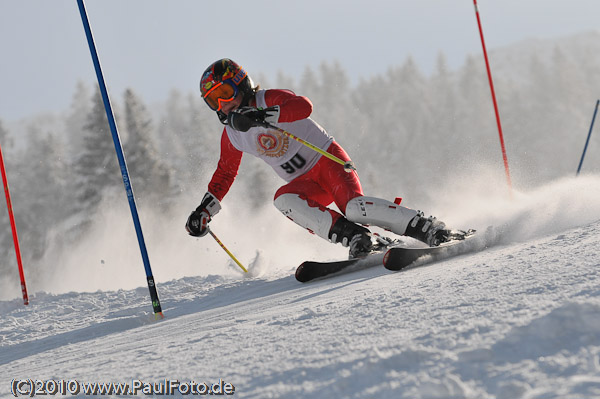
588	137
119	149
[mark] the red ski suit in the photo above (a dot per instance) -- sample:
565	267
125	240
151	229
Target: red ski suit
324	183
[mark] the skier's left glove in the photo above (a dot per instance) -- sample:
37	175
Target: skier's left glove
197	223
244	118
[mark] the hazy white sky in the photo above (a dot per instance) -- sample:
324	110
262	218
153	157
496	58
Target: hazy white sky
153	46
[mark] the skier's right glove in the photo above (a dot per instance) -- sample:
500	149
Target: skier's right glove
244	118
197	223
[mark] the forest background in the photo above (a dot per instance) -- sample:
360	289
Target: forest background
410	135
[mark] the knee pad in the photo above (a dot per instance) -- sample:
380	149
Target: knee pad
307	214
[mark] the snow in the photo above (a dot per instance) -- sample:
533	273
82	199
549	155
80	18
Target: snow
520	319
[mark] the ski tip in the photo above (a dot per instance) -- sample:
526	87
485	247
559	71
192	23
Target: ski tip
386	256
300	275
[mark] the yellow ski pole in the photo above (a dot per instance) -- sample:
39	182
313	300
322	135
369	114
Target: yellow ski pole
348	166
226	250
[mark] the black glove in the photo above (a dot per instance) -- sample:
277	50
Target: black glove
244	118
197	223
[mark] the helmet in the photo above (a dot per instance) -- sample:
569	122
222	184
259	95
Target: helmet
221	82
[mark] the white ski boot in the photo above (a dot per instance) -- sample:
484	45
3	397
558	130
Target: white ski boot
397	219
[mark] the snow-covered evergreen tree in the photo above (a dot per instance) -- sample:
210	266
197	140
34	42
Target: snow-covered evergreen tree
444	105
96	168
41	198
150	177
189	137
172	130
7	254
76	119
5	140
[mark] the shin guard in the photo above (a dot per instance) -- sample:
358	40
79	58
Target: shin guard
379	212
308	214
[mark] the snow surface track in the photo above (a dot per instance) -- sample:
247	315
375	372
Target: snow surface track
518	320
514	321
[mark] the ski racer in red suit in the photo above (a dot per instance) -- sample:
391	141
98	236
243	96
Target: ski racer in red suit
313	180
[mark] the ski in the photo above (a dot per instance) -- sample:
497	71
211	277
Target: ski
397	258
311	270
394	255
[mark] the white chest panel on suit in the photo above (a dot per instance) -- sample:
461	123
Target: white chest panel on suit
288	157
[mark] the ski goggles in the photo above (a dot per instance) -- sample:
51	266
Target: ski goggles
223	92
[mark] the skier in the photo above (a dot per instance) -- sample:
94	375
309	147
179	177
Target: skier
313	180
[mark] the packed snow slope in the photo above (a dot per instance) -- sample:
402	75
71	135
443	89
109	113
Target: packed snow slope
520	319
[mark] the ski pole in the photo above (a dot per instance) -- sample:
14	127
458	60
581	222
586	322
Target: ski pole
13	226
587	141
228	252
348	165
121	158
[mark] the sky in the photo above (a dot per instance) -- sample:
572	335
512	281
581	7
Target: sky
154	46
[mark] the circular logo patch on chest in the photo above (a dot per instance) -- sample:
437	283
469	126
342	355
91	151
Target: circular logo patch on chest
272	143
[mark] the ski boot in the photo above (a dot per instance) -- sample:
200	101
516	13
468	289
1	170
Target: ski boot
429	230
352	235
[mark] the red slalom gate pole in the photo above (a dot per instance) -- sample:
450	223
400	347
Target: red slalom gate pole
14	230
489	73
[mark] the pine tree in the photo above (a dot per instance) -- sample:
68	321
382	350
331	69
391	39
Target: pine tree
149	175
76	119
204	135
172	133
96	168
5	140
40	197
189	136
283	81
475	116
8	265
447	140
